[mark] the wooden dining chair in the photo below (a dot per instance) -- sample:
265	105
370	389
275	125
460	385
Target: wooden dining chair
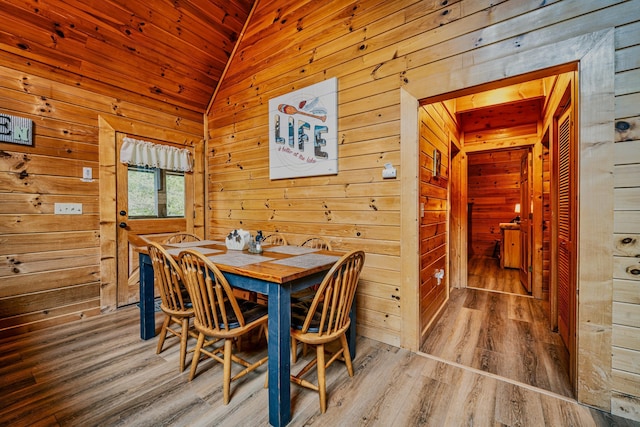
317	243
174	300
181	237
219	315
326	319
274	239
314	243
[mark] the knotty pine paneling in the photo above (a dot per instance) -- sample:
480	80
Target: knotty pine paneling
373	48
626	283
434	125
173	52
50	264
493	191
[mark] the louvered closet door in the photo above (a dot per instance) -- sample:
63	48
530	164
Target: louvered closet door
566	224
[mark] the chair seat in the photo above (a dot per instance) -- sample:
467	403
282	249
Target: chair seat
186	301
250	310
299	312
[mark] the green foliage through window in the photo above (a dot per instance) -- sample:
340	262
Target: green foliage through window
155	193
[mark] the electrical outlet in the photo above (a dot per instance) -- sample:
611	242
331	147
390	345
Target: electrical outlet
67	209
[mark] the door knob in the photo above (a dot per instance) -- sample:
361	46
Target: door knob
123	225
123	213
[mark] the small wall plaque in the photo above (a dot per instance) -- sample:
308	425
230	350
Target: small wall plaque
16	130
436	162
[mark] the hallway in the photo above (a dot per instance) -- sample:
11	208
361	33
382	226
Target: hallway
501	333
485	273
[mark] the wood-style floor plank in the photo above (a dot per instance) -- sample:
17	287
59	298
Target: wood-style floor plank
513	335
98	372
485	273
504	334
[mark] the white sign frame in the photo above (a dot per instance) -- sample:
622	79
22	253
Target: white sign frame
303	132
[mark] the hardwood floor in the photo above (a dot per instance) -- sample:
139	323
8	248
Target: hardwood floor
485	273
503	334
98	372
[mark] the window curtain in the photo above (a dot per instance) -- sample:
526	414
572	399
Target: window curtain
144	153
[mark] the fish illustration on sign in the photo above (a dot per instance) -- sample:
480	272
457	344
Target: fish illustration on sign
290	109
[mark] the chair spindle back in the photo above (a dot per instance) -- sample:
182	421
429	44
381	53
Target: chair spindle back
211	295
335	295
317	243
167	274
274	239
181	237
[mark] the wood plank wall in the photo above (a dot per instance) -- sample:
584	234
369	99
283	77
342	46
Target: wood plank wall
374	47
546	221
494	190
50	264
626	240
437	130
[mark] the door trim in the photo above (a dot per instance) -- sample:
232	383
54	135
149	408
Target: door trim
595	54
108	127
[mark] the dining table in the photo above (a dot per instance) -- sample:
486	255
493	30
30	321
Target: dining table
277	272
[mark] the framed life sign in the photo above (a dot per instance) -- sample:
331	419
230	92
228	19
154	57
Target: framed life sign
303	132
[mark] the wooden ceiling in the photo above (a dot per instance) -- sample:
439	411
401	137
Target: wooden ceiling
169	50
518	105
501	116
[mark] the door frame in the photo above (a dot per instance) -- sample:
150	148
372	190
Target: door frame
108	128
594	54
526	223
150	228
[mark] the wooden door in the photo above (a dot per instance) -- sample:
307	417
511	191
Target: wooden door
130	230
525	221
566	278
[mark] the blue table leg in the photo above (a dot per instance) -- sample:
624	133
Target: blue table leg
279	355
147	311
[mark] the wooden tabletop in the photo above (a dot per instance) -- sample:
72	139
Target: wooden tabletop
270	266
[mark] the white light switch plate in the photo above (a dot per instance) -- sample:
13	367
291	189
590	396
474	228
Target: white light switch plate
87	174
67	209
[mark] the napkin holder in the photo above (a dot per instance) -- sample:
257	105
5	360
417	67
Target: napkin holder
238	240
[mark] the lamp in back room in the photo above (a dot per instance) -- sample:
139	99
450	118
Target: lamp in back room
517	211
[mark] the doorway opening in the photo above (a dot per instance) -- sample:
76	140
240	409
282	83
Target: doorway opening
594	52
515	189
119	234
500	219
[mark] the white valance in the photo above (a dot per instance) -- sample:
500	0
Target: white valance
144	153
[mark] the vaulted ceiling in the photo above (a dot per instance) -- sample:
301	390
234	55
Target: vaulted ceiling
169	50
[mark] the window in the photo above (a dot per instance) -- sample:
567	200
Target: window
155	193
